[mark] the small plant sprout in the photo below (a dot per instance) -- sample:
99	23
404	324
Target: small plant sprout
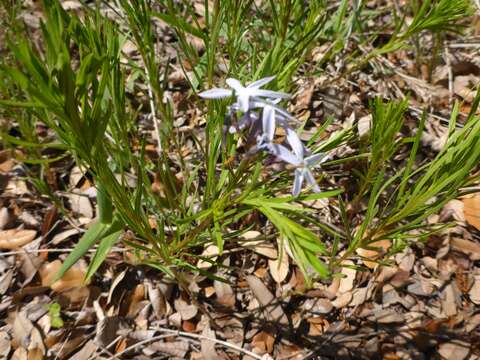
248	100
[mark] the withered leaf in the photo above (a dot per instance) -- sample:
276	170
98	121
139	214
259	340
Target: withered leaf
266	299
15	238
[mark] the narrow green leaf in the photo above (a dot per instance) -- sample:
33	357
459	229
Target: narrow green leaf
102	251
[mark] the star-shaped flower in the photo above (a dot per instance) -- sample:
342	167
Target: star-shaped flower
302	164
244	94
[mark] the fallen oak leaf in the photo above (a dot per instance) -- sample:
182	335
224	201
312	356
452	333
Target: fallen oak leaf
15	238
471	210
73	277
266	299
263	342
279	268
373	254
467	247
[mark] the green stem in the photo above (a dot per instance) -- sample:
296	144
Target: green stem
105	208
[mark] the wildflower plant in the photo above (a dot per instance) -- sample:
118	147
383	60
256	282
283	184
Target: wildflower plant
241	163
249	100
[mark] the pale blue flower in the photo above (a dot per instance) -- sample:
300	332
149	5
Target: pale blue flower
302	164
265	139
244	94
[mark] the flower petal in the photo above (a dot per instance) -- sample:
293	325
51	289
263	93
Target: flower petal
235	84
311	180
283	154
216	93
268	122
259	83
297	182
269	94
316	159
295	143
243	102
260	103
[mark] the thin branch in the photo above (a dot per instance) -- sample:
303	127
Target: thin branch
187	335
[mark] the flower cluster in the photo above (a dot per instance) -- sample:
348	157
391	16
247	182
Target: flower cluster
249	100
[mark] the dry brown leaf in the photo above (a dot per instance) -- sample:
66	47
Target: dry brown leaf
465	86
15	238
364	125
118	279
474	292
64	235
318	326
279	268
471	210
263	342
7	159
386	316
420	286
467	247
20	354
346	282
5	281
27	335
74	277
454	208
209	291
4	218
107	329
187	311
174	348
266	299
450	299
261	247
457	350
343	300
81	205
323	306
207	346
35	354
359	296
211	253
71	5
5	345
157	300
472	323
383	246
